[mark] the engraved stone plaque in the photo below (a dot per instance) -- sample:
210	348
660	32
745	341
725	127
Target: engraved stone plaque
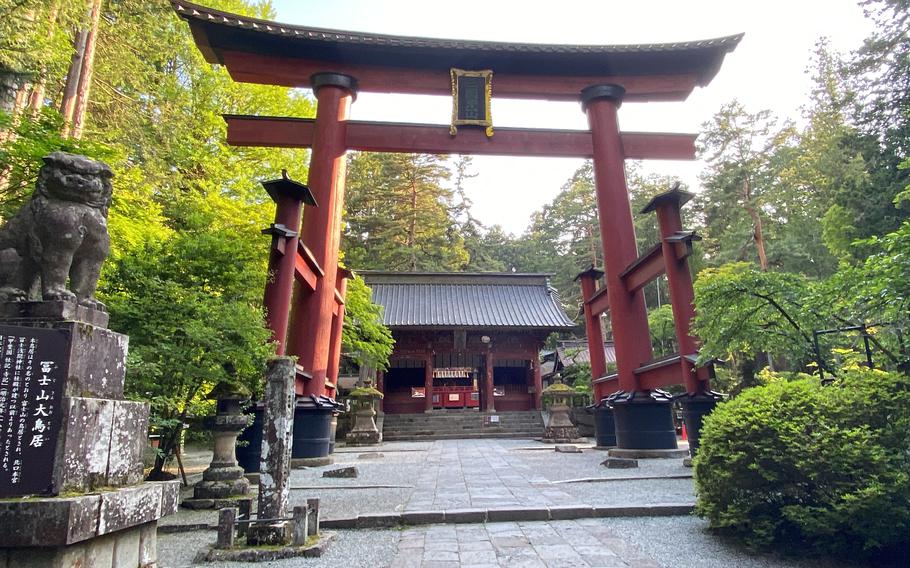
33	369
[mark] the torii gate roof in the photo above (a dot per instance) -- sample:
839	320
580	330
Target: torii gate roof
263	51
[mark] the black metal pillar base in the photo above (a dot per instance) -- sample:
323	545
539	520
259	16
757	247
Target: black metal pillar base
313	426
644	420
249	442
695	406
604	425
312	432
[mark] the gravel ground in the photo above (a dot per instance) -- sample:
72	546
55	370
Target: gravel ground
631	492
347	503
350	549
685	541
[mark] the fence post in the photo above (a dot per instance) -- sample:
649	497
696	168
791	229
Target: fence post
227	518
312	506
300	525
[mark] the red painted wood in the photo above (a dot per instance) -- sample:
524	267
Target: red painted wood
434	139
489	403
594	332
658	146
600	303
538	382
682	297
280	281
303	272
428	382
645	269
627	310
321	234
296	72
659	377
341	282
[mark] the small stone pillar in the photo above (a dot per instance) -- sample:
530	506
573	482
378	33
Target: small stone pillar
223	482
559	427
275	467
364	432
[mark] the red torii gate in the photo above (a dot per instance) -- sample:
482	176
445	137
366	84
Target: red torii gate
336	64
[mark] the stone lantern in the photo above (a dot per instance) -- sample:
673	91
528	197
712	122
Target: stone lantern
559	428
224	479
364	432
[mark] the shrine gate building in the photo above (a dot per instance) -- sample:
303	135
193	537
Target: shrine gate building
465	341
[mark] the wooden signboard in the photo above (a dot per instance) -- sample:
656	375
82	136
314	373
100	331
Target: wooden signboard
33	367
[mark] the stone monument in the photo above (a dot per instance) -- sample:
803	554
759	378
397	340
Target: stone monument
71	489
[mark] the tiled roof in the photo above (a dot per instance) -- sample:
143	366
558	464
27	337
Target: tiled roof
576	352
227	30
467	300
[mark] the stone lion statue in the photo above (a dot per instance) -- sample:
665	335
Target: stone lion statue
59	236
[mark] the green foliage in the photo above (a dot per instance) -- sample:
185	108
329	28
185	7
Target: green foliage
806	467
578	375
364	336
189	305
30	141
663	330
741	309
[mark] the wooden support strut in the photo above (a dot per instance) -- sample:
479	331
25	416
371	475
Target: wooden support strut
366	136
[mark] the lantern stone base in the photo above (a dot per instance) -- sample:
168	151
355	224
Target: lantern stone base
364	432
560	429
115	528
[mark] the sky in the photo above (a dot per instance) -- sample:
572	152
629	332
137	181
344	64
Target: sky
768	70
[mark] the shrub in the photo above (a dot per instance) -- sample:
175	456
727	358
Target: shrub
822	469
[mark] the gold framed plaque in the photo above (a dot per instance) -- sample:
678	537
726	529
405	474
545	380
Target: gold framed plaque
471	94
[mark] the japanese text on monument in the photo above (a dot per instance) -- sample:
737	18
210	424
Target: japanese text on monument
31	382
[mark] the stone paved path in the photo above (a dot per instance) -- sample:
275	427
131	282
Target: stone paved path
488	474
526	545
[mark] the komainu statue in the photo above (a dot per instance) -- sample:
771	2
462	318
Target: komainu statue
60	236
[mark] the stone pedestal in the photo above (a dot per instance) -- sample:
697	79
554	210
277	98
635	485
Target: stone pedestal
71	490
364	432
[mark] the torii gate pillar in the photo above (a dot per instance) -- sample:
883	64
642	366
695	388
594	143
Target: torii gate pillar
321	232
641	418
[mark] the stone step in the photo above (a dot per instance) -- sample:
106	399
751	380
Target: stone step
418	438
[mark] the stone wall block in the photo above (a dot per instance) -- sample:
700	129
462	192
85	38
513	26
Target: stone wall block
170	496
86	444
129	507
48	522
97	361
126	548
99	552
128	440
148	545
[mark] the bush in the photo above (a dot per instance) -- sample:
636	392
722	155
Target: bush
821	469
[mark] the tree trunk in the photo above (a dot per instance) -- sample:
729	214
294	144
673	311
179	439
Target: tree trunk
85	76
71	88
412	228
36	99
756	225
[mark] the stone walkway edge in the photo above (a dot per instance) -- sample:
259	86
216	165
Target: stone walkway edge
463	516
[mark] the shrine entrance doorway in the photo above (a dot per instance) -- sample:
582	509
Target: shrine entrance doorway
337	65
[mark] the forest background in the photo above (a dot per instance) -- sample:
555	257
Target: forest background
804	228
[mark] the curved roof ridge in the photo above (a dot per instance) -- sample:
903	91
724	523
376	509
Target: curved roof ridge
189	9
